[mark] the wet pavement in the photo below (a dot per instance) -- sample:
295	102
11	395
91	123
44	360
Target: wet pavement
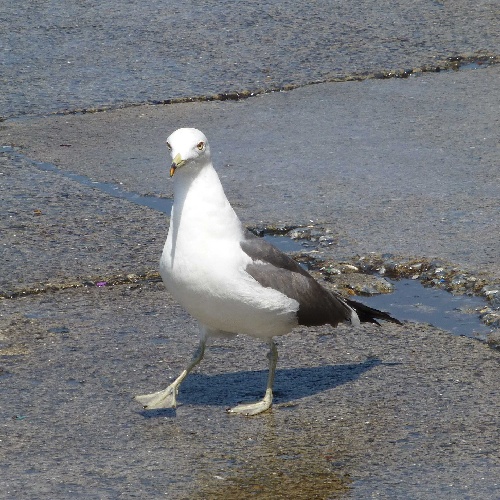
93	54
407	167
408	411
402	166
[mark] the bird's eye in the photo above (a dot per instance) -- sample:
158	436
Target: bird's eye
201	146
169	146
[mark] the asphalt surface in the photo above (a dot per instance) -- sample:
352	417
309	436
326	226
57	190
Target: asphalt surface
93	54
395	412
402	166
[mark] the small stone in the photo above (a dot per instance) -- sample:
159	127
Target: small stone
349	268
330	270
376	286
493	339
491	319
300	233
492	294
326	240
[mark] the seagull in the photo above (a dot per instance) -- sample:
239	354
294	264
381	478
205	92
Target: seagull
230	280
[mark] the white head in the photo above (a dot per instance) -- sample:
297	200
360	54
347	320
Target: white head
188	148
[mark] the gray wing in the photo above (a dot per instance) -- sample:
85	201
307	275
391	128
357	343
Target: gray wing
274	269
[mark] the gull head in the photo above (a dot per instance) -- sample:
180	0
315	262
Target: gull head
188	148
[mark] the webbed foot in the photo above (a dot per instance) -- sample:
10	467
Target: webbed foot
160	399
250	409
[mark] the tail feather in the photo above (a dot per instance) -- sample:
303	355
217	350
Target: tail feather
368	314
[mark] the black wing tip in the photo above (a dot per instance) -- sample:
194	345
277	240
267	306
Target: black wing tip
369	314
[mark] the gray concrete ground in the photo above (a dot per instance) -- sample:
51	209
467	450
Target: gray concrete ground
404	166
390	412
109	53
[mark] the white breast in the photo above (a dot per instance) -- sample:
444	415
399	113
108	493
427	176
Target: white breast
203	266
221	295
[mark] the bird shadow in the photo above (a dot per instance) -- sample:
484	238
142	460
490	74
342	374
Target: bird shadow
291	384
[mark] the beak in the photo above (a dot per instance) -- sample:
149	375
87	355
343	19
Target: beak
178	162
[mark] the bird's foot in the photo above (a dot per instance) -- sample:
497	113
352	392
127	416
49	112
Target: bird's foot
160	399
250	409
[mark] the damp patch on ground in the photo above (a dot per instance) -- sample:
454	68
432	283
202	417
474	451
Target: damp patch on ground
411	301
417	290
155	202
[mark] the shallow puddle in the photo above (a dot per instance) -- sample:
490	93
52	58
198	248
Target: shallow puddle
155	202
414	302
284	243
411	301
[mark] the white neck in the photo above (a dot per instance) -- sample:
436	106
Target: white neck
200	202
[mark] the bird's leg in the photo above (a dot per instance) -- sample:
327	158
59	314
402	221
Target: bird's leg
167	397
264	404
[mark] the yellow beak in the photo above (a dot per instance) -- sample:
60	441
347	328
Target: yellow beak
177	162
